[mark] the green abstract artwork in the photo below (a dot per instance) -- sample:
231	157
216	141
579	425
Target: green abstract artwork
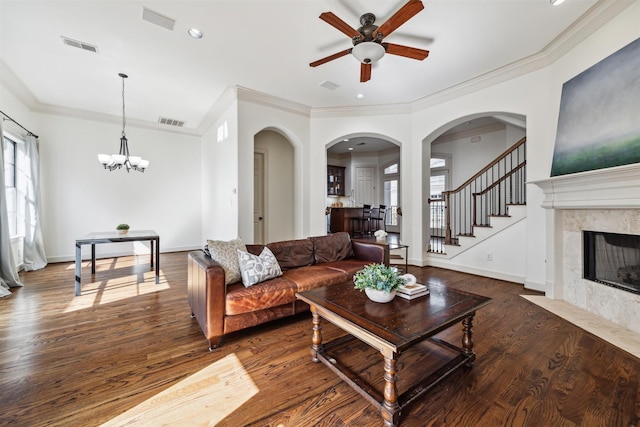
599	118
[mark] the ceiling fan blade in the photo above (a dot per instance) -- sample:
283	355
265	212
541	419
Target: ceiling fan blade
409	52
365	72
339	24
330	58
405	13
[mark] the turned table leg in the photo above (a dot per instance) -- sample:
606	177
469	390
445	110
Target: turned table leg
390	408
316	340
467	339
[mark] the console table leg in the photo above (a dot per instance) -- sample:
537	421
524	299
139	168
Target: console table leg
390	409
467	339
316	340
93	258
78	268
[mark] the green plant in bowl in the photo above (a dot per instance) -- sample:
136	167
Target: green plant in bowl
378	277
122	228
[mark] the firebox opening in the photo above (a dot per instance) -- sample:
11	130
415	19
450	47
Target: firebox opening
612	259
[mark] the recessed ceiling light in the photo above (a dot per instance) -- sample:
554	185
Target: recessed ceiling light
350	148
360	95
346	139
556	2
195	33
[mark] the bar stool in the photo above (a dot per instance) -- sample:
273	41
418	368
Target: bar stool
379	215
363	221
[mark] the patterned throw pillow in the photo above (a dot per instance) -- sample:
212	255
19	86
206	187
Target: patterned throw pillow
225	254
255	269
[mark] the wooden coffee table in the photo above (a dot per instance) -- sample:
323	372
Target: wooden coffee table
405	324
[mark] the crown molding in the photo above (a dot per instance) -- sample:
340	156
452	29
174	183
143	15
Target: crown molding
226	100
256	97
469	133
365	110
597	16
108	118
13	84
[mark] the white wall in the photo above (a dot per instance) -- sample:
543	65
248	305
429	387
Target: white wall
292	121
468	158
80	196
220	175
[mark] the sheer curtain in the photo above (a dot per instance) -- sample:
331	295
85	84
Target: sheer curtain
34	255
8	273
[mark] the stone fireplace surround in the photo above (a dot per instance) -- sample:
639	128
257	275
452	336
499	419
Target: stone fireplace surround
605	200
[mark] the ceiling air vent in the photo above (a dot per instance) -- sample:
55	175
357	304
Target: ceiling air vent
79	44
155	18
329	85
171	122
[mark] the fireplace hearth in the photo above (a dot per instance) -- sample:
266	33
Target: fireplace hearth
612	259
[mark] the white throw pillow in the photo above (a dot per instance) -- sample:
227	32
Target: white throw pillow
225	254
255	269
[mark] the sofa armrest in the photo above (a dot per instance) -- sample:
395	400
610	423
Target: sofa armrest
207	294
370	251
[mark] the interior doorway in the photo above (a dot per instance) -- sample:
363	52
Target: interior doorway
258	197
274	156
366	185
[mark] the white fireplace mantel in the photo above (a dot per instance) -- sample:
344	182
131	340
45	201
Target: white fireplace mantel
617	187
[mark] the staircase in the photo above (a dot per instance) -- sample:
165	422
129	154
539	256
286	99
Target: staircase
489	202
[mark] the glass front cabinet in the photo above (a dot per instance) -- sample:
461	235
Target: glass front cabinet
335	180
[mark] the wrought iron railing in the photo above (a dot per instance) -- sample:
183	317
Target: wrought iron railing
487	193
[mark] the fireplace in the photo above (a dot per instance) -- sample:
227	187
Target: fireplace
612	259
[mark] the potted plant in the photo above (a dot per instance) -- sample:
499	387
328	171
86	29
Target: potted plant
378	281
122	228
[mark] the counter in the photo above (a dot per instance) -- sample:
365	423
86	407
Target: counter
341	219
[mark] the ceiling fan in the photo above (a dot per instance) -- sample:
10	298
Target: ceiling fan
368	46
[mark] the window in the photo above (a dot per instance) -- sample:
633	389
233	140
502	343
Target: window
391	192
10	155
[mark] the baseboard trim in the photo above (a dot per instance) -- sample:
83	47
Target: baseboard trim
477	271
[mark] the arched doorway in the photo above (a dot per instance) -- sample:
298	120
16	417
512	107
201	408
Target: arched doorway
453	154
274	187
371	166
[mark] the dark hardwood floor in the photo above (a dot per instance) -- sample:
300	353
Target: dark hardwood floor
82	361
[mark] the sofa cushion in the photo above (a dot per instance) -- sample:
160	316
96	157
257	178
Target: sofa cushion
270	293
225	254
314	276
258	268
333	247
348	266
293	253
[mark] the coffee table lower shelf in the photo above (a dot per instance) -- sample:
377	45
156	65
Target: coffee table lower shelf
373	395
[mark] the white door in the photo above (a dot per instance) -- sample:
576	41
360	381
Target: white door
365	185
258	198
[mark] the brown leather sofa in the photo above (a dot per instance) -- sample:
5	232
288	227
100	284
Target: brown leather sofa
305	263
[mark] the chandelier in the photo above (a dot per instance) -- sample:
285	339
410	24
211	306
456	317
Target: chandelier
116	161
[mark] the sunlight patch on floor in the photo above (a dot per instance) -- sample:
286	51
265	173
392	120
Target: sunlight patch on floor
203	399
117	289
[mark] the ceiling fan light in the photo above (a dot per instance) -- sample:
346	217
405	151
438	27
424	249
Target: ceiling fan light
368	52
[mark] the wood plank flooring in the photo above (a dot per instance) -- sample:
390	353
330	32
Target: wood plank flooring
126	352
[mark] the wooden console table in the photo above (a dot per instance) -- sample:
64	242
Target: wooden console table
114	237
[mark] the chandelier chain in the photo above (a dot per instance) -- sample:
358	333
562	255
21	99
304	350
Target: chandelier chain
124	120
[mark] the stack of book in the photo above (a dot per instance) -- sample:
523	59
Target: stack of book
412	291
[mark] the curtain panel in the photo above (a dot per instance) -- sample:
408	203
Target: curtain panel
34	254
8	272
